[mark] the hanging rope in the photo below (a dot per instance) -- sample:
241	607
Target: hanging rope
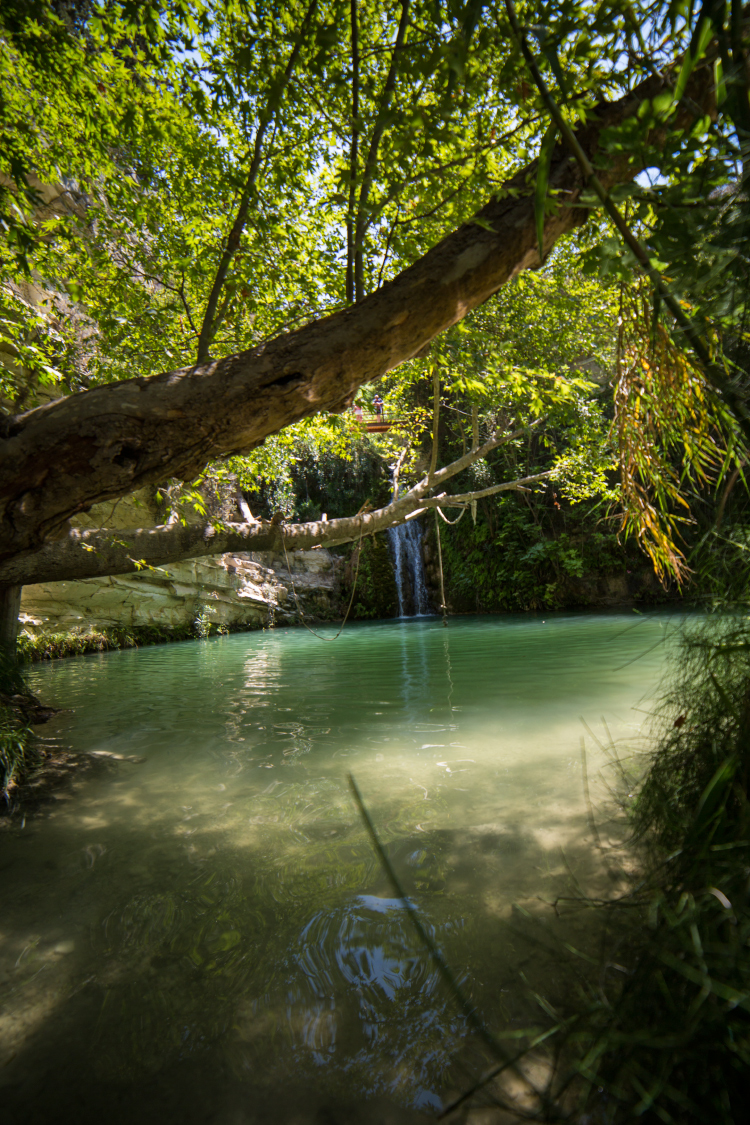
452	523
301	611
440	562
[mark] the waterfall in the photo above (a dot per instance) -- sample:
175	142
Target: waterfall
408	569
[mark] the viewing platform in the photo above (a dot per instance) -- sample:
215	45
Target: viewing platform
377	423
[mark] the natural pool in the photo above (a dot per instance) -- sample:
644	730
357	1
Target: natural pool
206	935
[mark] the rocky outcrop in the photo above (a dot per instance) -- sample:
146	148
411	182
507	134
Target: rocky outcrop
225	592
228	592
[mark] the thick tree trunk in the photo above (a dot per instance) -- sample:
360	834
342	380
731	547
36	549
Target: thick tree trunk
101	444
10	605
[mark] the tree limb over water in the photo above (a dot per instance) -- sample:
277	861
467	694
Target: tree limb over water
96	552
61	458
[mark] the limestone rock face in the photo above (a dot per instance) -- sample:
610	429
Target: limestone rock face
237	591
249	590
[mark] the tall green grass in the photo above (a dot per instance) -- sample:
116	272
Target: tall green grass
669	1040
17	750
657	1028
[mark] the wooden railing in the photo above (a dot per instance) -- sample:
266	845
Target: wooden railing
375	422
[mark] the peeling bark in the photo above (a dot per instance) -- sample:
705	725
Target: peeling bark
61	458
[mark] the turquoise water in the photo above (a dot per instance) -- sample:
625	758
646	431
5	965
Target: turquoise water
201	932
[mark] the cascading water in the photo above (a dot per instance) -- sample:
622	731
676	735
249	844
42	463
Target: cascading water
408	569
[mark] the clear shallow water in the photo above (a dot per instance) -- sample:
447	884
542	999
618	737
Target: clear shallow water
205	935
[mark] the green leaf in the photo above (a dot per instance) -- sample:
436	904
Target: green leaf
692	55
542	178
721	86
551	56
714	795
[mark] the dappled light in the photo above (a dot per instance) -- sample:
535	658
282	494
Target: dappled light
212	897
327	331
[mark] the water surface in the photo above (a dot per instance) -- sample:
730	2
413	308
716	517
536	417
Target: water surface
204	934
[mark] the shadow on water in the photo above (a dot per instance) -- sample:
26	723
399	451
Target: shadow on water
208	937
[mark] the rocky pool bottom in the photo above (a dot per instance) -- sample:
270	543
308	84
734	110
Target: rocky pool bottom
200	931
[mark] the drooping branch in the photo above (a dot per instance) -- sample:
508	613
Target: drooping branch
96	552
61	458
686	326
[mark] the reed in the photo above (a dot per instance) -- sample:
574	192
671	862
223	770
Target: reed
659	1029
669	1040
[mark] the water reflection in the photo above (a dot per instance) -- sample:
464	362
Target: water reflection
367	949
214	908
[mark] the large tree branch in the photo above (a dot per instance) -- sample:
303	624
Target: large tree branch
100	444
96	552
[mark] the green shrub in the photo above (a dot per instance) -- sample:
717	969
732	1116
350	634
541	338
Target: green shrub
50	646
518	558
17	751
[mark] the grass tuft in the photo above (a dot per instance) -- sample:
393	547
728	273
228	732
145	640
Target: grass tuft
18	754
671	1043
54	645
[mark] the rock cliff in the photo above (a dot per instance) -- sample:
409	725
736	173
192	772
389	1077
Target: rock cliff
226	592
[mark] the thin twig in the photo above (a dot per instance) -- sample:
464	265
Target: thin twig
496	1071
435	420
587	795
439	961
362	219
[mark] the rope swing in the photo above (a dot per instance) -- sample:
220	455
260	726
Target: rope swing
440	563
301	611
451	523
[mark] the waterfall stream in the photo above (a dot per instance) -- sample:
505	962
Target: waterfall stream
408	568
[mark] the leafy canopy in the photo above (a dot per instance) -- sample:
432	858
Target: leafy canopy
184	180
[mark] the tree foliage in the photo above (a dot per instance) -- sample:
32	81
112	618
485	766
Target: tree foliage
186	180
